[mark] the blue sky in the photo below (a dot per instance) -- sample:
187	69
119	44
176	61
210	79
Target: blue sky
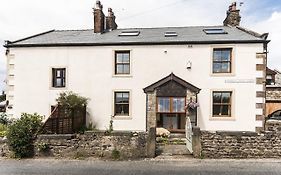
20	18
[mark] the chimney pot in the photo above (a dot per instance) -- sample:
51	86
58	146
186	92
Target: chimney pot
99	18
233	17
110	20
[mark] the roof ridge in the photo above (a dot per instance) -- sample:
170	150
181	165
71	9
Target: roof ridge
62	30
170	27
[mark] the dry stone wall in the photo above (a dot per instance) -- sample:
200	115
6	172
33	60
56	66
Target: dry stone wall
98	144
4	149
273	93
243	144
117	145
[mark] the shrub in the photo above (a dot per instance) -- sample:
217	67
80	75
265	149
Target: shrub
4	119
43	147
71	100
2	97
22	133
3	130
115	154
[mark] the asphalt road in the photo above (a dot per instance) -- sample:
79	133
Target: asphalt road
147	167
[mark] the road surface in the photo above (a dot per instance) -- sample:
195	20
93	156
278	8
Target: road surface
145	167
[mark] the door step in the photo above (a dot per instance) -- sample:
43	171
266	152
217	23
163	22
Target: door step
170	150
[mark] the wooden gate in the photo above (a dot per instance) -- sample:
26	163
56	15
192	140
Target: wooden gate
188	133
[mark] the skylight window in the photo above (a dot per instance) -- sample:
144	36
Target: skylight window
130	33
171	34
214	31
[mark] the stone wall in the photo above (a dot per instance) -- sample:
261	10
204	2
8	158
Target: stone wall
243	144
273	99
273	93
117	145
4	149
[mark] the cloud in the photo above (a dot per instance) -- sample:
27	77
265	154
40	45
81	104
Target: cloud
273	26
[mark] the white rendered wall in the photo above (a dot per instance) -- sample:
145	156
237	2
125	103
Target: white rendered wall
90	73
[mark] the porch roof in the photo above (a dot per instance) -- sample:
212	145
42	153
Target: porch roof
171	77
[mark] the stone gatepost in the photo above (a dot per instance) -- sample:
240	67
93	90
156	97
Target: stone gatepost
151	124
191	97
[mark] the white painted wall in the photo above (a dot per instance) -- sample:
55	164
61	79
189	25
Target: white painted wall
90	73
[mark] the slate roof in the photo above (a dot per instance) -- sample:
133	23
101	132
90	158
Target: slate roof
186	35
171	77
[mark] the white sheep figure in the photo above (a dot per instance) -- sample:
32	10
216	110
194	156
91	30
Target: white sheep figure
162	132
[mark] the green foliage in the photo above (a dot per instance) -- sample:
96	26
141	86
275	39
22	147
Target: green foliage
3	130
110	129
22	133
115	154
2	97
42	147
4	119
111	126
80	154
71	100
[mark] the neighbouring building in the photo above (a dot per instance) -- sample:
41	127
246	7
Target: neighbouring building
143	78
273	91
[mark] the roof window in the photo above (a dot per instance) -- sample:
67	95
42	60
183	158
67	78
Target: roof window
171	34
214	31
130	33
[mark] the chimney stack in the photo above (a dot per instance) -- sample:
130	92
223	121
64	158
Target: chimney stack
233	17
98	18
110	20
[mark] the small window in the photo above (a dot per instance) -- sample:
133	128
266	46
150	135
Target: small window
58	75
122	62
214	31
129	33
222	60
121	103
171	104
270	80
171	34
222	104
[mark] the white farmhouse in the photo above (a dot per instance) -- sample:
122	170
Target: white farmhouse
145	77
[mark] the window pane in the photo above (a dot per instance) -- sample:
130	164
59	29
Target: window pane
63	73
226	97
163	105
58	82
216	67
225	67
125	109
120	69
121	109
126	58
125	97
58	73
216	97
225	110
216	109
217	55
225	55
118	98
178	104
119	58
126	69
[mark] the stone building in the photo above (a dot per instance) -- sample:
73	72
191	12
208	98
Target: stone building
273	91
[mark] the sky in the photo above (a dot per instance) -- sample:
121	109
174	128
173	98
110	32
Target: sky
19	19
